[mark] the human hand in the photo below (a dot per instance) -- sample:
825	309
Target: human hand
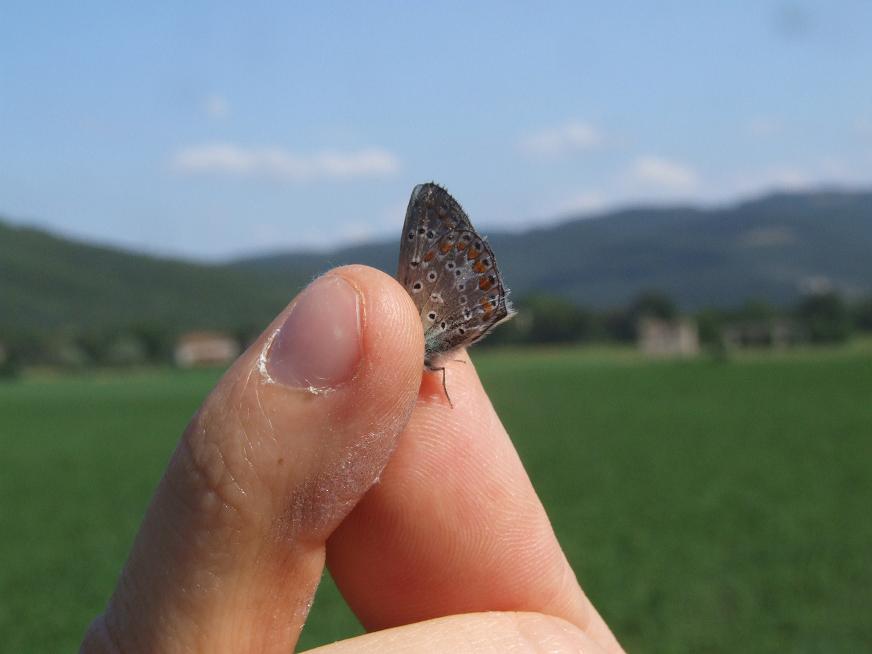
451	551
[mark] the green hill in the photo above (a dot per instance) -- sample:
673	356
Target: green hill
774	248
47	282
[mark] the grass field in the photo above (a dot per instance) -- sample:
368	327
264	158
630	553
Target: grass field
706	506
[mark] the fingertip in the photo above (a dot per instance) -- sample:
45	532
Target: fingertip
470	633
393	340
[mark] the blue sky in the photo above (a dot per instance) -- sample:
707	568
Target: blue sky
211	130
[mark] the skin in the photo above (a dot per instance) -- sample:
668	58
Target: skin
423	513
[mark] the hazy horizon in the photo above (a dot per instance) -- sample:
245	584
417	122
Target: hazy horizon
316	249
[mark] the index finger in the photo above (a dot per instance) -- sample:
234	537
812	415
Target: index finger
455	525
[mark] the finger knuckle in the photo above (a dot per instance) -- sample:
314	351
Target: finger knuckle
216	480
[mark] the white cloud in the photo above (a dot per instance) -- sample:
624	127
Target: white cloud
382	224
662	173
280	164
830	171
574	136
787	178
586	202
780	178
356	232
217	107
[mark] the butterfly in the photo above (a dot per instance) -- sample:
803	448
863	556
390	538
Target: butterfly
451	273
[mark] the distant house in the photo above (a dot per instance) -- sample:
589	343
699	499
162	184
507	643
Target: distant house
776	333
668	338
205	349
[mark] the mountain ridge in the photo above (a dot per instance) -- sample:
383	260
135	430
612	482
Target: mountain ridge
774	248
766	248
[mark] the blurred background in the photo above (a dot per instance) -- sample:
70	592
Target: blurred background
680	198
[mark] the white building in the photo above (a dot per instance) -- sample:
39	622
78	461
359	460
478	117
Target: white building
205	349
668	338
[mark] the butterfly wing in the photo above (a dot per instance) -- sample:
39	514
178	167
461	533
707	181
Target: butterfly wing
459	291
450	272
431	213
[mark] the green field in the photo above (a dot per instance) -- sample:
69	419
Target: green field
706	506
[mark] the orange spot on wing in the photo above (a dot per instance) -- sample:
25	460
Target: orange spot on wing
445	247
472	254
484	284
460	245
479	267
429	256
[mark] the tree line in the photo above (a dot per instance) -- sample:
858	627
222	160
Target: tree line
542	319
818	318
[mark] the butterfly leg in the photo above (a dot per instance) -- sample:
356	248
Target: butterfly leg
444	387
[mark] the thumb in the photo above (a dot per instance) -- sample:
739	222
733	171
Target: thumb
232	546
